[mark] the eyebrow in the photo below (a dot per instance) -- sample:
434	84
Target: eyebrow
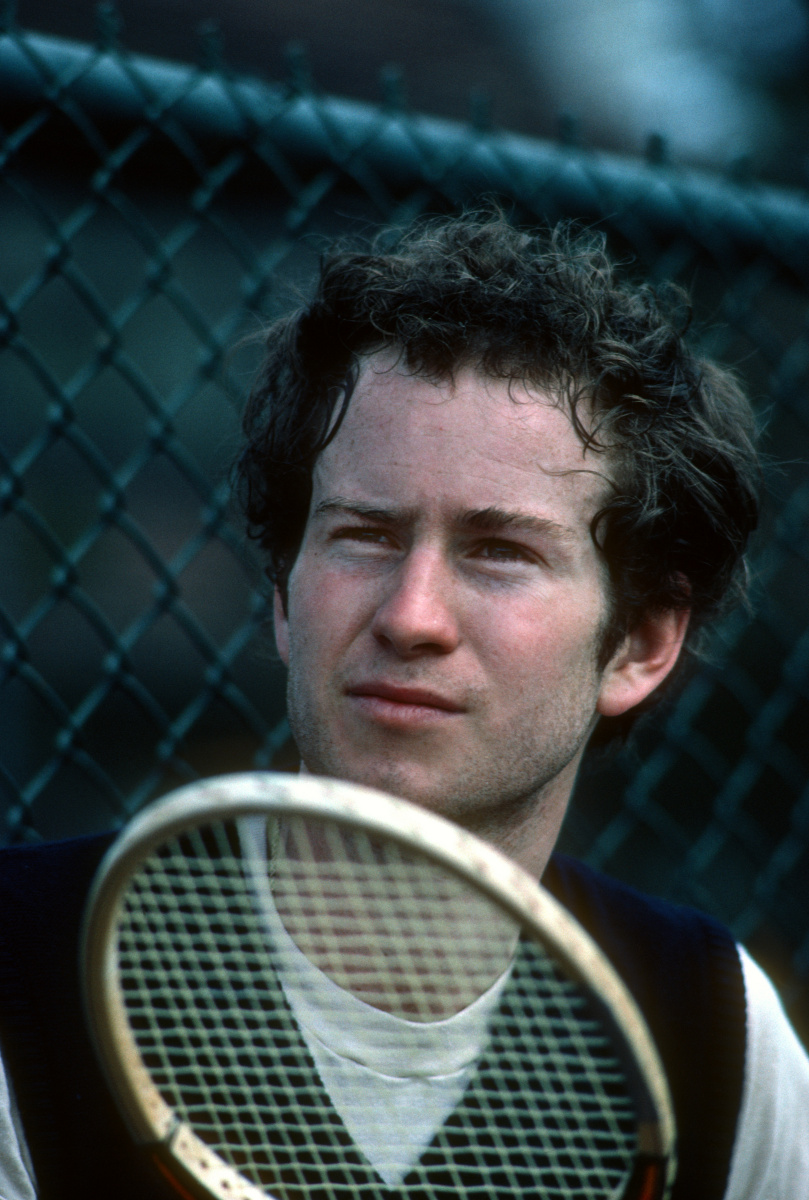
485	519
479	520
356	508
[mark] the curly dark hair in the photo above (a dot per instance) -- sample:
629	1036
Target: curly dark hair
548	310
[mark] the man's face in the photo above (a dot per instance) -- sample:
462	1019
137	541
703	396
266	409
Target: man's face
445	609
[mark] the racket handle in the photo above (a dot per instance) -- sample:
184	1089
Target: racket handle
650	1179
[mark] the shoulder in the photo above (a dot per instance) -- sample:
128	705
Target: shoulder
43	891
45	863
652	943
684	972
771	1153
31	859
30	856
602	901
72	1126
681	965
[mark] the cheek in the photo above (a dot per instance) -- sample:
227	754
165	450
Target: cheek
323	608
562	630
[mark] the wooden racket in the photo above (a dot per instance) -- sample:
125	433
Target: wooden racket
237	919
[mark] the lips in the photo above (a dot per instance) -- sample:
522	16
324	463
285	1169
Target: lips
395	695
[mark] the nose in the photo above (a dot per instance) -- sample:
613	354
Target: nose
417	614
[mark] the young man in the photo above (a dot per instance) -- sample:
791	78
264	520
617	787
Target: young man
498	495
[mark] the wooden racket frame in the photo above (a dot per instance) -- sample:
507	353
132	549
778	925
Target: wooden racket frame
228	797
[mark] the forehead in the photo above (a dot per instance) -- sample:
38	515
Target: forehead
470	439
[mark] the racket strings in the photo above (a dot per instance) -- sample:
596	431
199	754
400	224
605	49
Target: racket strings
548	1109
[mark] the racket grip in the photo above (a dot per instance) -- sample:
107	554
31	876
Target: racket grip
651	1179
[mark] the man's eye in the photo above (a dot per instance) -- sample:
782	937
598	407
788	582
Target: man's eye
362	535
504	552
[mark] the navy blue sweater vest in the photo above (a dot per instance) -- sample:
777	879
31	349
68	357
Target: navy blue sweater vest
681	967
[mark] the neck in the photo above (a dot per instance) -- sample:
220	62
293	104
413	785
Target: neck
385	922
527	829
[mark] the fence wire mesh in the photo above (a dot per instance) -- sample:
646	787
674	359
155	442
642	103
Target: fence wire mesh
153	216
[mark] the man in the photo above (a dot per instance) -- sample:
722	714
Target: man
499	494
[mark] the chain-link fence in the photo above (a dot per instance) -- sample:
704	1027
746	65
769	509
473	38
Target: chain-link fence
152	217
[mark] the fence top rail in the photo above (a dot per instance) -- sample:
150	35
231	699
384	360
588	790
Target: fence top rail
119	89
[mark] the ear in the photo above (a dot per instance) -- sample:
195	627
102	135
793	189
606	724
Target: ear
281	627
642	661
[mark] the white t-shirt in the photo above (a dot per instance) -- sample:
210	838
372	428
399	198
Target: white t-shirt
771	1152
16	1171
394	1082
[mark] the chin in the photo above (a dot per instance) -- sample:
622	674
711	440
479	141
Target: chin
404	781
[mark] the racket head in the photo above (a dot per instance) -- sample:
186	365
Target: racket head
176	936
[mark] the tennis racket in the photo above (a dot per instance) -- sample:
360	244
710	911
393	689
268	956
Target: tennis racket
308	990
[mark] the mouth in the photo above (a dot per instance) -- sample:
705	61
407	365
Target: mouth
400	705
